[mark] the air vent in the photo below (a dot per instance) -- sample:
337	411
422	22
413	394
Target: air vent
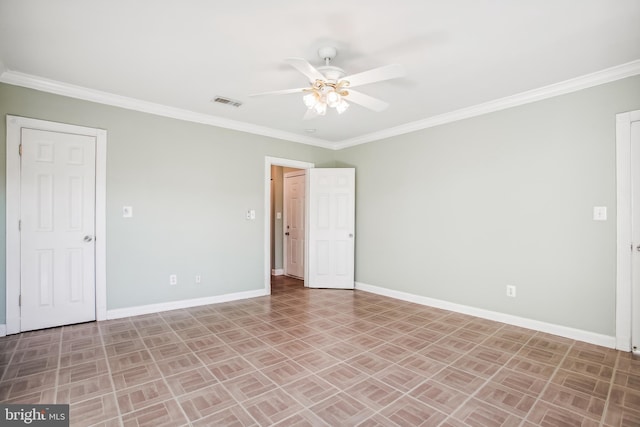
226	101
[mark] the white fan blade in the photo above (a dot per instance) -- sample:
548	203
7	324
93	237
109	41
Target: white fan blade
280	92
386	72
305	68
310	114
366	101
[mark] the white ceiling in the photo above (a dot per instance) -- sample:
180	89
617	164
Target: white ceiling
155	54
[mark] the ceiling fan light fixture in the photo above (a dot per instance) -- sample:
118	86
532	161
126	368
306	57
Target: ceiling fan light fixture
342	106
333	98
310	100
330	85
320	108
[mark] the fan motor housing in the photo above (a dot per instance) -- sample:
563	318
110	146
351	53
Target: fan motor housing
331	73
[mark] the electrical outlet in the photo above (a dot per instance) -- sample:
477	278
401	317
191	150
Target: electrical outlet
173	279
198	278
511	291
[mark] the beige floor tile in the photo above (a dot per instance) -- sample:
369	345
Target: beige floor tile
341	409
143	395
234	416
249	386
190	381
272	407
205	402
164	414
94	410
478	413
407	411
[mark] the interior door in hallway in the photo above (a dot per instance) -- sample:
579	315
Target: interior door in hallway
57	249
294	237
635	235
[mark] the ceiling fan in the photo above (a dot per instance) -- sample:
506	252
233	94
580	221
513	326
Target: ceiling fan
330	88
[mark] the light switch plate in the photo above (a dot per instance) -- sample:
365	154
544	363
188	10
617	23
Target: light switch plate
599	213
127	211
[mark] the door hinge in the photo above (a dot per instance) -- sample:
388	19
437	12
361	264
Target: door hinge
19	225
20	300
20	150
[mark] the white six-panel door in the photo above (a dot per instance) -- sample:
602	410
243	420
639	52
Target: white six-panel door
331	227
293	227
635	235
57	255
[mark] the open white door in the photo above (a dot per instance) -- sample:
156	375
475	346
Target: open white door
330	228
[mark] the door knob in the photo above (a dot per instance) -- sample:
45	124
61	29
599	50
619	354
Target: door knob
88	238
286	234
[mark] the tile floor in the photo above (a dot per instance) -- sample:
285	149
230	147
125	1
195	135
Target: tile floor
318	357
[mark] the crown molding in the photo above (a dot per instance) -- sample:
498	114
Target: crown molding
572	85
60	88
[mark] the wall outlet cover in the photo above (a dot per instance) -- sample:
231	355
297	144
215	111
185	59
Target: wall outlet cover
599	213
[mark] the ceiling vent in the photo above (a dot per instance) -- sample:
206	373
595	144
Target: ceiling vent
226	101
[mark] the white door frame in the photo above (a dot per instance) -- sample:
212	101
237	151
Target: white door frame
268	162
14	126
623	225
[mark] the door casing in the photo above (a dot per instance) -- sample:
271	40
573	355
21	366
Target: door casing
268	162
14	126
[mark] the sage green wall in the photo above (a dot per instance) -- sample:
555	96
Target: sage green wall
190	186
459	211
454	212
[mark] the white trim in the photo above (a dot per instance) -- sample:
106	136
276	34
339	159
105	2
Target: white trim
582	82
3	330
277	272
14	126
119	313
572	85
268	162
65	89
101	225
623	228
563	331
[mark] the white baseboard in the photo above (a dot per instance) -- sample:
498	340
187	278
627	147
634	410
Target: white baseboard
536	325
3	330
277	272
119	313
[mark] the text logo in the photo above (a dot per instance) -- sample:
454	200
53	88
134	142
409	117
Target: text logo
34	415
